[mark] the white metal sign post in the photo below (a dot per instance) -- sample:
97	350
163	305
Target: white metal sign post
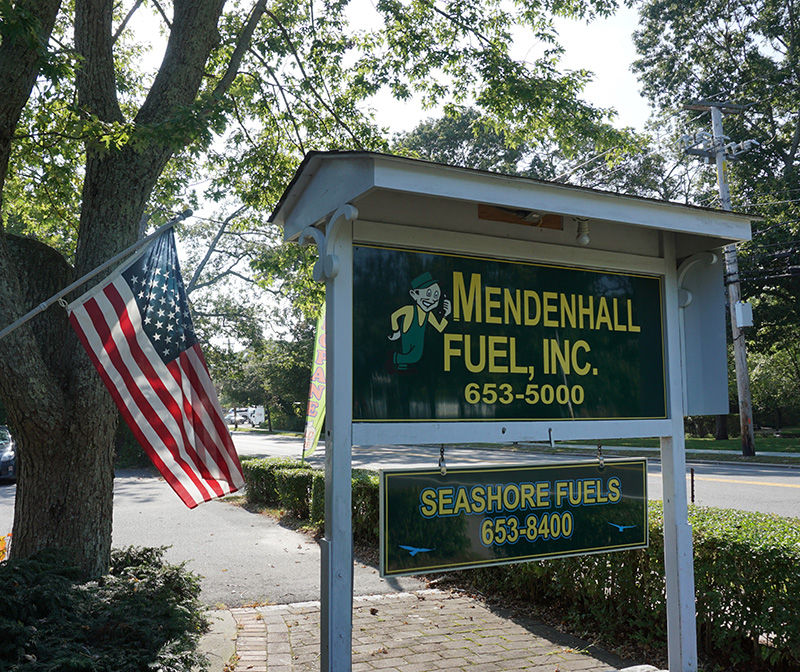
465	306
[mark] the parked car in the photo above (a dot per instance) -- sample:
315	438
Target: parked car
237	418
8	456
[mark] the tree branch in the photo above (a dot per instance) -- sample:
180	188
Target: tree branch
127	18
163	13
242	45
192	37
193	282
460	24
319	98
282	93
96	77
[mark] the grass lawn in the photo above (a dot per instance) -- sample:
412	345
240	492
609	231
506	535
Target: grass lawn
769	444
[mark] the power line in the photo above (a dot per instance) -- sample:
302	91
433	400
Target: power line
757	204
776	276
758	232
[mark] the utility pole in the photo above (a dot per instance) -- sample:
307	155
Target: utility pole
713	147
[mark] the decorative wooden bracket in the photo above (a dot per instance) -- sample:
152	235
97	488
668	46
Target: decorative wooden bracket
327	266
685	294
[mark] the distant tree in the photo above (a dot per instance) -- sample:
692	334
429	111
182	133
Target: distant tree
742	51
463	138
92	146
611	159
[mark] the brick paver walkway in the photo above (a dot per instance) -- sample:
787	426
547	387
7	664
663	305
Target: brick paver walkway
422	631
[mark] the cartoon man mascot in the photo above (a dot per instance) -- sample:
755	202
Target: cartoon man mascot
409	322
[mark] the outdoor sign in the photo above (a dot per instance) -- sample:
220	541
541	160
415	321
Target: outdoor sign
480	516
443	337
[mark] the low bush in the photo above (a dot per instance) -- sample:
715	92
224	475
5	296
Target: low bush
365	506
259	473
143	615
746	580
748	587
300	491
293	487
316	507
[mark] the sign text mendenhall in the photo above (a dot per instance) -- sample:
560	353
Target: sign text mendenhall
446	337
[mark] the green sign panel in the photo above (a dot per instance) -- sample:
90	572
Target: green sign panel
441	337
476	516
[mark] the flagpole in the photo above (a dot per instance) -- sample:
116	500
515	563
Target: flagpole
46	304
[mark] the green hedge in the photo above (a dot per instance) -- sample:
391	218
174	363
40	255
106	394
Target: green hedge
746	567
365	506
259	474
747	573
293	487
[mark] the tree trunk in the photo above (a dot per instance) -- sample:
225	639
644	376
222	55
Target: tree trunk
68	505
60	413
62	420
721	432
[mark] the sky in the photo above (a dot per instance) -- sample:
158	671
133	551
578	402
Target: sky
603	46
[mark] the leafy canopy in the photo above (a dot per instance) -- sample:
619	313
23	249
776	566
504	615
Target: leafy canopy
744	52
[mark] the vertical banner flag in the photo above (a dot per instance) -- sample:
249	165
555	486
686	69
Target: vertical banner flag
138	332
315	415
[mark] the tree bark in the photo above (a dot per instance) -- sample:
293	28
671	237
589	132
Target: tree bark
59	418
61	415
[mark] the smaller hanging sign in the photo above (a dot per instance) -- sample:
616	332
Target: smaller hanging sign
481	516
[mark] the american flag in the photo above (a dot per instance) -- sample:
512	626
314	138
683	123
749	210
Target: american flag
138	331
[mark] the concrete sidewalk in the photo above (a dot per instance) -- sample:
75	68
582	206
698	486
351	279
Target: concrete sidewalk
421	631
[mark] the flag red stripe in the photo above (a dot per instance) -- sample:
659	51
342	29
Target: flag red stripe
212	464
209	396
135	428
184	374
180	447
194	365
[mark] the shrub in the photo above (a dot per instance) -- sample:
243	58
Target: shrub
747	585
260	478
293	487
316	507
365	506
143	615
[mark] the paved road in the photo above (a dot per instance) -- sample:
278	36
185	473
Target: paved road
244	558
749	487
240	554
